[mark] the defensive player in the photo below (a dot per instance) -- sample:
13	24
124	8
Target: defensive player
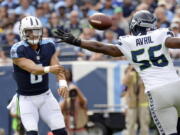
147	50
33	58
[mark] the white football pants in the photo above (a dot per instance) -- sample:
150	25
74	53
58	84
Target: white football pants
45	106
164	105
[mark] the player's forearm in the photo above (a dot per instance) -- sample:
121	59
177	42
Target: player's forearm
32	68
93	46
100	47
37	70
40	70
61	76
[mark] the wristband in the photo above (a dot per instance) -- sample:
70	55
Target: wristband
77	42
46	69
62	83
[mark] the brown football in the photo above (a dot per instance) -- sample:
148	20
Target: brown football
100	21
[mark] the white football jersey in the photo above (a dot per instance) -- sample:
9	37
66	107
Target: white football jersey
150	57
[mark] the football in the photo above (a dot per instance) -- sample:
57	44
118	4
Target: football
100	21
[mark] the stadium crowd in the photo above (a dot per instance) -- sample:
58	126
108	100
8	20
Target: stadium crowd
73	15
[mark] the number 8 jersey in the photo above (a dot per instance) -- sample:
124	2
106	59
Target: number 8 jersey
30	84
150	57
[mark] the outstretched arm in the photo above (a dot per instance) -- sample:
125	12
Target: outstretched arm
172	42
94	46
100	47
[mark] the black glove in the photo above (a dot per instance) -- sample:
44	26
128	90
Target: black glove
66	37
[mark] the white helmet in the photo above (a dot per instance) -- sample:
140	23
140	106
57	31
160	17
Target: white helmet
29	28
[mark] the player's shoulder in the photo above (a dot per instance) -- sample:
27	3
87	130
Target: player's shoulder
125	38
20	44
47	41
163	31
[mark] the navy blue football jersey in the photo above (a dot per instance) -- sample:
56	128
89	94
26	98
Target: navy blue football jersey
28	83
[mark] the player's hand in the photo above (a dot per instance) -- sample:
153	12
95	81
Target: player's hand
56	69
63	91
66	37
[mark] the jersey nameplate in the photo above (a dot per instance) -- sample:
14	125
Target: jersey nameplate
144	40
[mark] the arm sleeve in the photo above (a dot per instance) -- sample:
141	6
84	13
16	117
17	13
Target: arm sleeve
167	33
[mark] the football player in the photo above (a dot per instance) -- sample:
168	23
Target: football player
33	58
147	50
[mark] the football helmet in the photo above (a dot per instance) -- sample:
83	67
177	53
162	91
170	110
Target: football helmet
141	22
31	30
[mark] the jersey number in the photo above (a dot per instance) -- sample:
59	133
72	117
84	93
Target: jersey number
36	78
159	61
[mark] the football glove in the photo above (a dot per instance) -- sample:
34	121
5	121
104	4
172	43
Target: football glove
66	37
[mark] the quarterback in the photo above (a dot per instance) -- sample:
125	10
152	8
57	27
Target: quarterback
33	58
147	50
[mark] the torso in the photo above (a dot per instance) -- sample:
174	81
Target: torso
30	84
150	57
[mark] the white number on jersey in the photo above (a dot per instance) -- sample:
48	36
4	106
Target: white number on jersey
36	78
159	61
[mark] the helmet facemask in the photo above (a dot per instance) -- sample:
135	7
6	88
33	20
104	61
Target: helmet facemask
32	36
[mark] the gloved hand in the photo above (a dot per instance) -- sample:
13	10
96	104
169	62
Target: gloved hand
66	37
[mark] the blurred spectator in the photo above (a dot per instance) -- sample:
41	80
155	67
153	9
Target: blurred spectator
54	20
41	15
60	8
4	61
142	6
177	13
123	23
2	132
107	8
162	21
25	8
73	25
17	24
71	6
91	9
128	8
4	21
46	32
47	7
10	4
84	18
115	27
168	13
151	4
136	102
74	108
9	39
110	37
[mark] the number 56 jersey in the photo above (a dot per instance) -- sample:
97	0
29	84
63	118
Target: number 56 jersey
149	56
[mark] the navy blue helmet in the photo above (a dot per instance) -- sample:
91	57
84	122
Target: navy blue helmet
141	22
